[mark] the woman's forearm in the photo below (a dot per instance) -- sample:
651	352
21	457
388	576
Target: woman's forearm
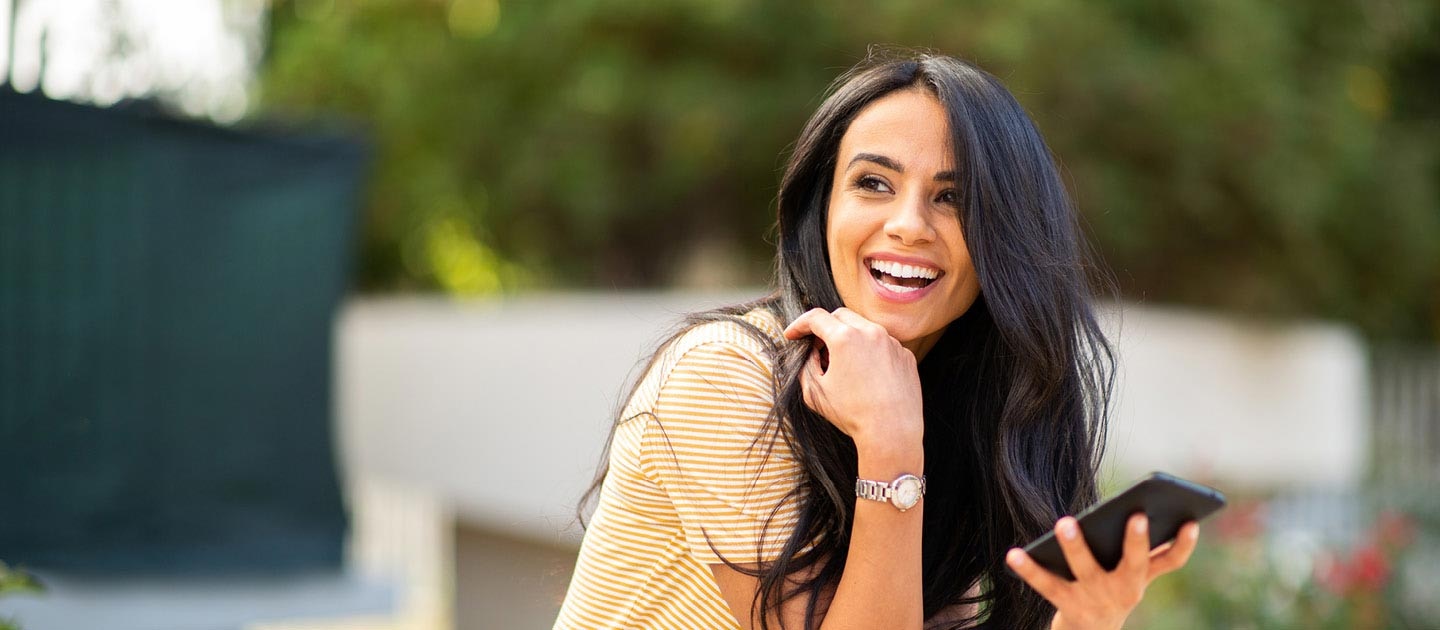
881	586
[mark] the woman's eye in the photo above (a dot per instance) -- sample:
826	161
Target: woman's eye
949	197
872	184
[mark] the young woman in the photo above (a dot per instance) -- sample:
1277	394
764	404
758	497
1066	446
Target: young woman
925	391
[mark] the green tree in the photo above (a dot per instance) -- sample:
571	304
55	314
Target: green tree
1266	158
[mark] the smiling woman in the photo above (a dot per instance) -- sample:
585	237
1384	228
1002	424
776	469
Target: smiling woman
931	344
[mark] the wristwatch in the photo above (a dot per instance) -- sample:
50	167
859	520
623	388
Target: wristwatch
903	493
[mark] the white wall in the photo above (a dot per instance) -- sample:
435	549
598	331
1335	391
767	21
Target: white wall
502	407
1242	403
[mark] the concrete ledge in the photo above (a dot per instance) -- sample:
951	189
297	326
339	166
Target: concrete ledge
1242	403
498	408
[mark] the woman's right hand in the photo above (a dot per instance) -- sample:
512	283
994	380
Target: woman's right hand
870	389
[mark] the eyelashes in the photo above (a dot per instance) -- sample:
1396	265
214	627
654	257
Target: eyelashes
873	184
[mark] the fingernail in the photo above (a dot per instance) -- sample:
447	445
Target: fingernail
1194	533
1140	525
1015	556
1067	528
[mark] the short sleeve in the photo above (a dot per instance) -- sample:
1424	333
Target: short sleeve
712	448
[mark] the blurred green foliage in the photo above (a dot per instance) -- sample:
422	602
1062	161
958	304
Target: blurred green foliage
14	581
1276	159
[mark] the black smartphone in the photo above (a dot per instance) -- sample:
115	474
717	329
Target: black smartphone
1168	501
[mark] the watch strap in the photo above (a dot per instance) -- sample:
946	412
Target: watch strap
881	491
873	490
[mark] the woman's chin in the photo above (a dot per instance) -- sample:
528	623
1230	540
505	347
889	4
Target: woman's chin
907	333
904	327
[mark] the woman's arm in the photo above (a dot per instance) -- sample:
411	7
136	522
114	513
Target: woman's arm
870	390
881	586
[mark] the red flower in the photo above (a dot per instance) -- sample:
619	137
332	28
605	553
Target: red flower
1369	567
1366	570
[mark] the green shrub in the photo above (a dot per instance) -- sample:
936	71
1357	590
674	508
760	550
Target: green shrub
1266	158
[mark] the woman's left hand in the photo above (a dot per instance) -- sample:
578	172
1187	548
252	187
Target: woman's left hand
1099	598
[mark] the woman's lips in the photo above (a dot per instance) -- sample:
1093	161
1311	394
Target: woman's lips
899	297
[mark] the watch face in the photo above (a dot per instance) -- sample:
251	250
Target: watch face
907	493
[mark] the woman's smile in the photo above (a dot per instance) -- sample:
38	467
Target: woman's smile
902	279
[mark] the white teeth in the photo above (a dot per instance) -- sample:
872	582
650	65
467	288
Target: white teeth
897	288
900	270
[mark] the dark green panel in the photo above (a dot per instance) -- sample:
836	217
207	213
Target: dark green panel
167	293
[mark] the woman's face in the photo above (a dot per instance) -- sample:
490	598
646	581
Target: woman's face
896	249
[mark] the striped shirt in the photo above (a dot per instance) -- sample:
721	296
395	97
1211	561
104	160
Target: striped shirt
696	473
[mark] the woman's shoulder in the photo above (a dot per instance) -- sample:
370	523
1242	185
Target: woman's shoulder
732	356
752	335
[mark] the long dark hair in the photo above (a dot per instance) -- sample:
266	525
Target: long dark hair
1016	391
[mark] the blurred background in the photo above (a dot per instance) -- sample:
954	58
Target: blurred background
315	313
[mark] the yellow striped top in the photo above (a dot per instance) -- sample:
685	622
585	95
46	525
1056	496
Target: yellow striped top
694	470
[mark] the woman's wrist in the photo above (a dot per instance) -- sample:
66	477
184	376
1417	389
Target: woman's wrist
887	457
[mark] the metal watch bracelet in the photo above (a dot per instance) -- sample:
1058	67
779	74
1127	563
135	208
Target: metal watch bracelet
904	492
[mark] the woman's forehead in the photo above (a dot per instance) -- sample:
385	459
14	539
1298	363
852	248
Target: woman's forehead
910	127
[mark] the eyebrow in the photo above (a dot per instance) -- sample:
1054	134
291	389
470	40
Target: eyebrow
942	176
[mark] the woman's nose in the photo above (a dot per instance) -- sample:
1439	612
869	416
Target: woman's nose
910	221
